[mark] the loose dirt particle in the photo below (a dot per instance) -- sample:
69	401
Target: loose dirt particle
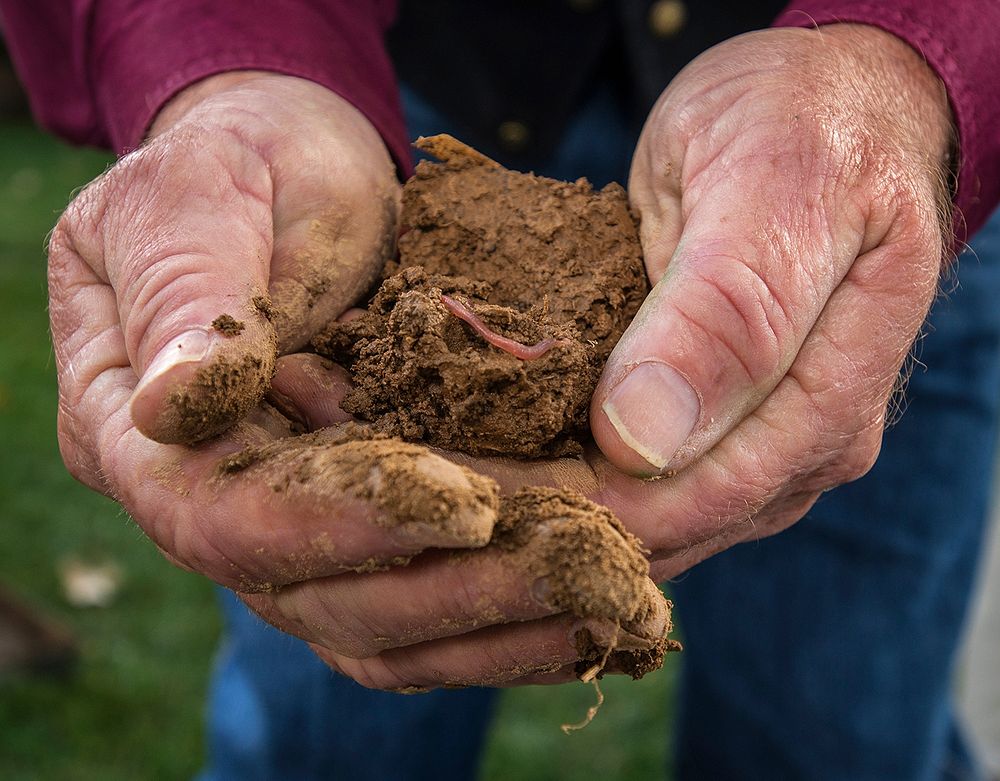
228	325
264	306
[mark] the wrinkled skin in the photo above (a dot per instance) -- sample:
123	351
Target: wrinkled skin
789	184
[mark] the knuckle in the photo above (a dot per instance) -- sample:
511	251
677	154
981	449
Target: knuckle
738	312
859	457
341	619
465	599
194	541
75	455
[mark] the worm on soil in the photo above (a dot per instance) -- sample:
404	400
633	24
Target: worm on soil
523	351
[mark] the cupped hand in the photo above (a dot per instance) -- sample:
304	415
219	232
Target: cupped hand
790	189
791	186
262	207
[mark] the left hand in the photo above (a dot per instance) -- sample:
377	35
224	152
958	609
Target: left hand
791	189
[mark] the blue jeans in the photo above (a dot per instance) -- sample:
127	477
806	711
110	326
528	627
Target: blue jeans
822	653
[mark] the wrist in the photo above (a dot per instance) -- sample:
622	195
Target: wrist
214	88
900	87
271	111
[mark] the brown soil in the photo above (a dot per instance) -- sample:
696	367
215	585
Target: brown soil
228	325
593	568
424	374
409	485
529	237
539	262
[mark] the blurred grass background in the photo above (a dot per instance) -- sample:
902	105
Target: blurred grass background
132	708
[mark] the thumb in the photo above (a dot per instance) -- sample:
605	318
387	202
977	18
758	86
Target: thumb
752	269
181	230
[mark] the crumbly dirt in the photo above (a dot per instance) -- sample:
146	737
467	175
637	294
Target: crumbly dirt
228	325
530	238
594	568
534	259
409	485
424	374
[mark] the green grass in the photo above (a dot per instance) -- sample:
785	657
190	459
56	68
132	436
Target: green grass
133	707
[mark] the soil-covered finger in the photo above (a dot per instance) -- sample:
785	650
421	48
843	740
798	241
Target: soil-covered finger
327	260
258	517
181	231
583	560
552	552
205	380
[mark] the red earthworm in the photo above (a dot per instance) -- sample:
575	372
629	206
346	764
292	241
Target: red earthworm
523	351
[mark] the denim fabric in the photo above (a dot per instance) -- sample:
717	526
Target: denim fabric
822	653
826	652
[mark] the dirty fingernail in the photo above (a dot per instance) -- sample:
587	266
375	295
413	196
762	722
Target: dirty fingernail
189	347
654	410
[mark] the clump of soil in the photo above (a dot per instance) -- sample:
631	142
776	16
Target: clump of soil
228	325
423	373
408	484
529	237
593	567
510	291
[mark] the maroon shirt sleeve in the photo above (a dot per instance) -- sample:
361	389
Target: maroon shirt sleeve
959	41
97	71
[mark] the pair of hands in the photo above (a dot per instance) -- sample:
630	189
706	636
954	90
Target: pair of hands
790	188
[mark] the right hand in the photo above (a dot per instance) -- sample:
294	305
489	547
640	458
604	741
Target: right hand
254	183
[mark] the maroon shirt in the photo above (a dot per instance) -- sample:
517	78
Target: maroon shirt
98	72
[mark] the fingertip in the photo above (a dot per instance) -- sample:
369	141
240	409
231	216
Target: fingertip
204	381
641	419
313	386
175	366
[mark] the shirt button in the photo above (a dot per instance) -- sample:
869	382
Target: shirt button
513	135
667	18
